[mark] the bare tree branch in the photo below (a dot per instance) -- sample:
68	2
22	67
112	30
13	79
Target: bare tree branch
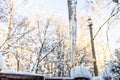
105	23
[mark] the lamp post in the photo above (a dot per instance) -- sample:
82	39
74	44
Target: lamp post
93	48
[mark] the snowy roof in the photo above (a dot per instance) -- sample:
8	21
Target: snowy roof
21	73
59	78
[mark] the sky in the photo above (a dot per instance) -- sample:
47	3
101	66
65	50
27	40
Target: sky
55	6
48	6
59	7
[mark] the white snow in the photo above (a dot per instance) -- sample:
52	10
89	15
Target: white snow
80	71
1	61
97	78
19	72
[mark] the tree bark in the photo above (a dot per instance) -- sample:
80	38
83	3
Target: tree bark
73	27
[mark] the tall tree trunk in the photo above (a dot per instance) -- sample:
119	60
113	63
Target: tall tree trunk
73	27
18	65
11	18
17	61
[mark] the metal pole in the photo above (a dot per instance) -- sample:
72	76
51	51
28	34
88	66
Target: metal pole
93	48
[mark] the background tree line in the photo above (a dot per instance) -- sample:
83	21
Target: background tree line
40	43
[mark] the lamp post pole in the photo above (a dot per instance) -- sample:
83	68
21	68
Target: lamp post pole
93	48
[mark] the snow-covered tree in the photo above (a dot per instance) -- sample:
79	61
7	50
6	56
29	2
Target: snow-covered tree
112	71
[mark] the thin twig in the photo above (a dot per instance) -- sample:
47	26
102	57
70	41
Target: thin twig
104	24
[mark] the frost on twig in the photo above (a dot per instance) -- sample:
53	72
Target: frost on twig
112	71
